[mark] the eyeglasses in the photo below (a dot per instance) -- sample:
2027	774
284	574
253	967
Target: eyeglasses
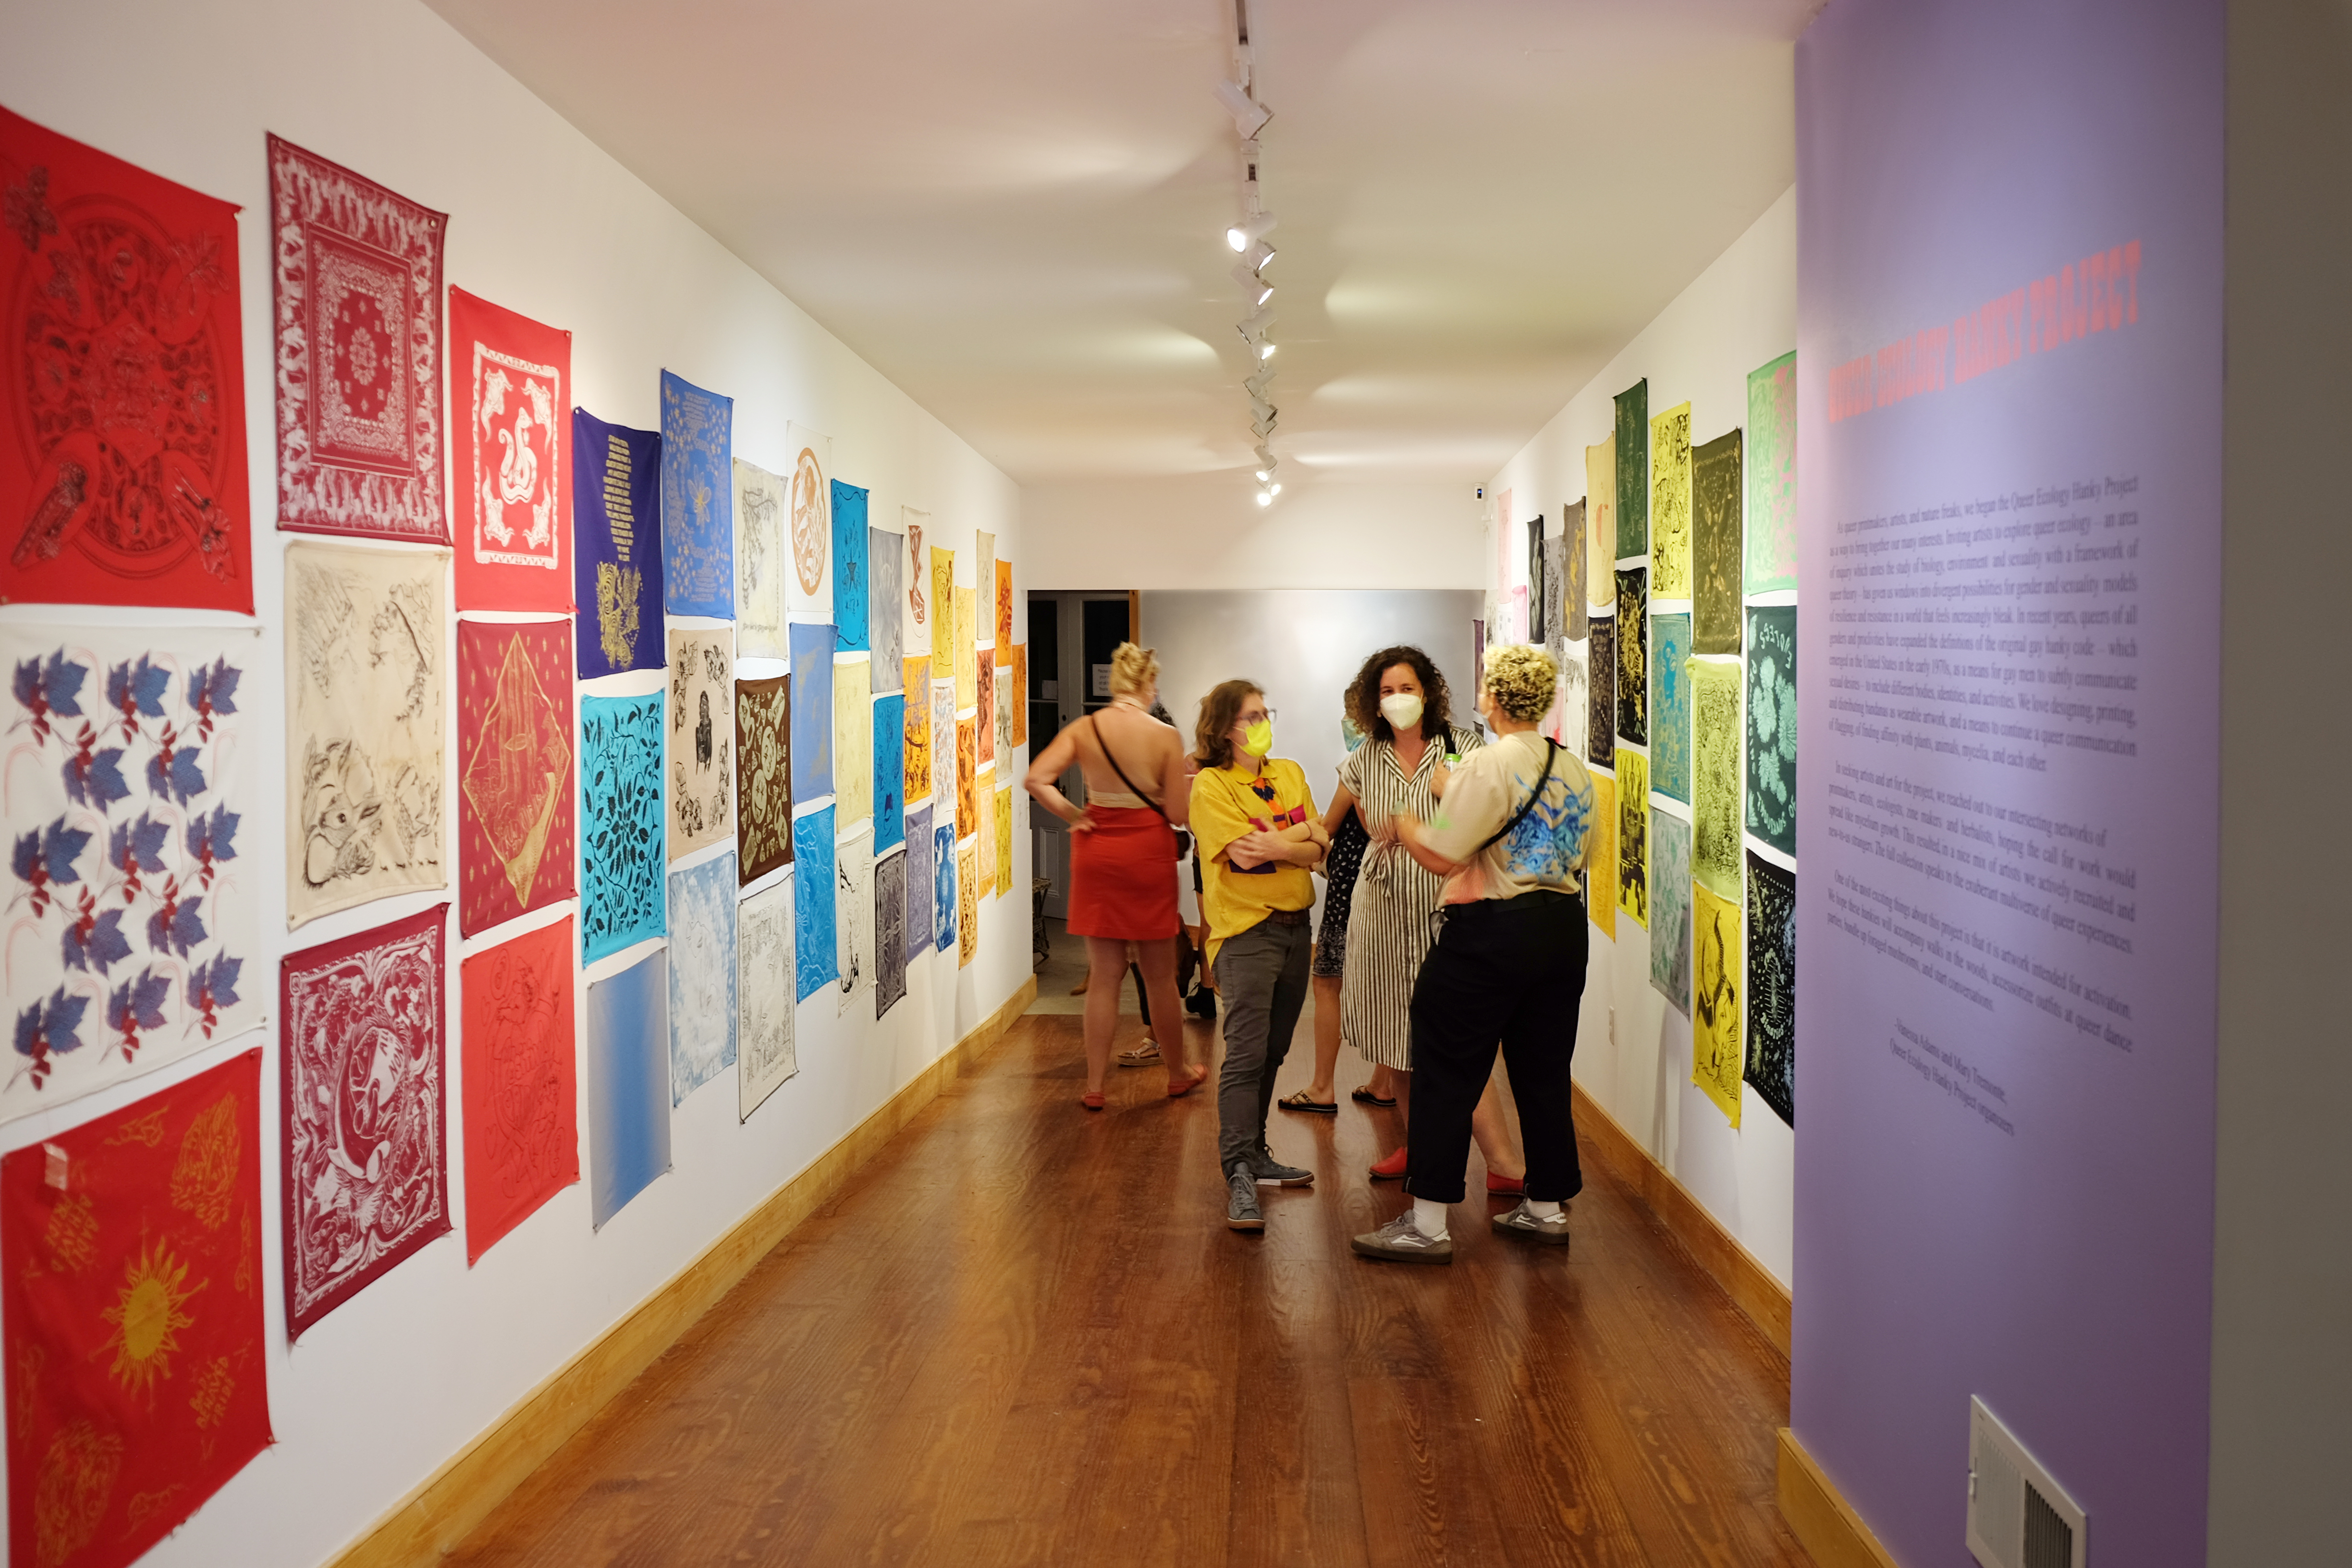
1244	720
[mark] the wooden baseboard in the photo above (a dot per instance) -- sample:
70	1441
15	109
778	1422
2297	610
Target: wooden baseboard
1820	1517
1763	1298
428	1523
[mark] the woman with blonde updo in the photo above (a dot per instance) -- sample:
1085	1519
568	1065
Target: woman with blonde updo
1123	858
1508	839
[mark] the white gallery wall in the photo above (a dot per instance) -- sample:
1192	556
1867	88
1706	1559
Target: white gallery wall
390	1385
1207	531
1633	1050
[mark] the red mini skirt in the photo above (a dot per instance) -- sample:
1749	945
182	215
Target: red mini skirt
1123	876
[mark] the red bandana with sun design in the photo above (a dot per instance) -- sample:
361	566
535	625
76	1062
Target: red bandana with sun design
130	1278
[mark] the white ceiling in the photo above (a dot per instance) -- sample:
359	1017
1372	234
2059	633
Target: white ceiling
1014	209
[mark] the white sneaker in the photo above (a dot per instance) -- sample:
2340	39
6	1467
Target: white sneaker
1401	1241
1522	1222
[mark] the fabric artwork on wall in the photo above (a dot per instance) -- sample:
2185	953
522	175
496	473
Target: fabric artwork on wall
1716	949
763	776
889	933
812	705
809	595
1003	840
132	902
816	957
521	1120
1772	726
622	858
1633	836
1001	708
365	725
921	858
1715	545
1550	611
943	748
1600	659
701	739
1572	702
984	839
967	656
1600	857
984	715
628	1085
1715	775
1670	503
358	291
1773	985
366	1163
616	553
762	502
916	565
509	458
137	1371
1600	526
1539	588
765	972
982	628
1632	656
122	469
852	593
889	771
1632	463
701	975
1003	613
1575	569
1670	705
943	613
1771	477
915	725
886	568
946	902
853	881
967	905
966	776
698	513
517	812
1670	908
1021	694
853	742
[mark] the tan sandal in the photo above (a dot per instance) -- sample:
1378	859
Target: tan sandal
1143	1056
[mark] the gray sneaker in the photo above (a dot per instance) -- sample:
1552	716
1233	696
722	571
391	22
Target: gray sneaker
1519	1222
1242	1211
1272	1173
1401	1241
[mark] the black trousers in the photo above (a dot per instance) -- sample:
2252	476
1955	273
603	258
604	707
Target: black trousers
1508	973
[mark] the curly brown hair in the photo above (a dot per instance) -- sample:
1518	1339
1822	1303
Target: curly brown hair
1220	709
1364	693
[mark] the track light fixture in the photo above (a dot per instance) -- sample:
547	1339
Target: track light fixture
1255	287
1265	350
1256	256
1249	115
1266	497
1250	230
1258	321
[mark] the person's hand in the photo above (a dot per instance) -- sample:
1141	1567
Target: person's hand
1255	849
1082	822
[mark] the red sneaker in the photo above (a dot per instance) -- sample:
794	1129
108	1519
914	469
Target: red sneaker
1391	1168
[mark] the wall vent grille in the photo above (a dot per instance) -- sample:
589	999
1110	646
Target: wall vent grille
2019	1516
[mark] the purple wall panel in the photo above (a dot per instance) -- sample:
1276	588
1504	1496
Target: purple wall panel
2010	341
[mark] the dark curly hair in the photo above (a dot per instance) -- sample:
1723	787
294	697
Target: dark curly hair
1364	694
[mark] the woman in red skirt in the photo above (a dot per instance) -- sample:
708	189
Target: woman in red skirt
1123	857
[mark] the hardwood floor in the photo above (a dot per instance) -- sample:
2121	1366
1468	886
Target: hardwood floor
1024	1335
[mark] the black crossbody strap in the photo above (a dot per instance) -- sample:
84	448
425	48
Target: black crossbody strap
1104	747
1551	755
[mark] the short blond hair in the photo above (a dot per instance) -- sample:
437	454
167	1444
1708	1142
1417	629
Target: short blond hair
1133	670
1522	679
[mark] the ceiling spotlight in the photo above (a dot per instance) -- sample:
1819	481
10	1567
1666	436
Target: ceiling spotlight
1266	497
1249	115
1259	321
1275	489
1256	256
1264	475
1249	230
1265	350
1262	408
1265	456
1257	382
1258	287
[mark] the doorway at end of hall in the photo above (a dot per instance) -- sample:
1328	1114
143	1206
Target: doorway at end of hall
1072	636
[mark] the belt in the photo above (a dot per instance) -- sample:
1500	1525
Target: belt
1286	917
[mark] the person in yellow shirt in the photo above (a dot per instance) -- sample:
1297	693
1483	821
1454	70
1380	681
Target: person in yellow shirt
1257	840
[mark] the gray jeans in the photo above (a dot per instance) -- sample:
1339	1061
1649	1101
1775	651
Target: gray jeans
1262	985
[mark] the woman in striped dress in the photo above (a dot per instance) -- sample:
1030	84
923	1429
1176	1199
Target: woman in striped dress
1399	701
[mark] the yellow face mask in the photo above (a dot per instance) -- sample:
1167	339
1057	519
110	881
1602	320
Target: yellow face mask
1257	740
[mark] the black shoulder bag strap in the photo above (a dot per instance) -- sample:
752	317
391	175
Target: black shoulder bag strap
1104	747
1551	755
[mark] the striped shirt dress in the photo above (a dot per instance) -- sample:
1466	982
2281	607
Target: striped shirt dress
1394	914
